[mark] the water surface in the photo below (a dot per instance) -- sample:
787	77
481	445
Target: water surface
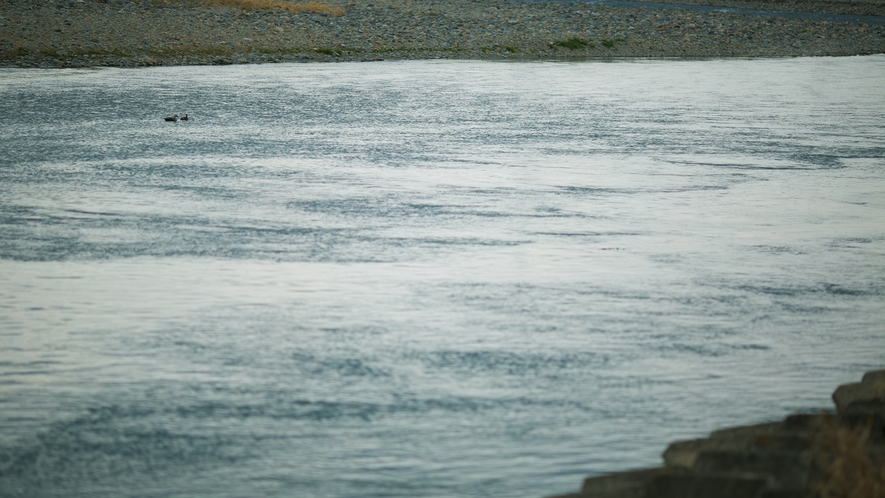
429	278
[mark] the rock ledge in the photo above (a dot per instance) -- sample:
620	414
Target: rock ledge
804	455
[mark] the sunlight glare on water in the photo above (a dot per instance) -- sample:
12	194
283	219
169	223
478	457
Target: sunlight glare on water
429	278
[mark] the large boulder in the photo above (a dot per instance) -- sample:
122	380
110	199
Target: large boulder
862	398
786	459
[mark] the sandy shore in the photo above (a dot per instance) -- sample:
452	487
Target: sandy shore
78	33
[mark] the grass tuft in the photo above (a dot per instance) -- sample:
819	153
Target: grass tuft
842	456
497	48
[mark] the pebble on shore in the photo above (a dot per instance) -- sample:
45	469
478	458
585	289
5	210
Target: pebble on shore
79	33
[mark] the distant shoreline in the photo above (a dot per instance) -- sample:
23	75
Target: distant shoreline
120	33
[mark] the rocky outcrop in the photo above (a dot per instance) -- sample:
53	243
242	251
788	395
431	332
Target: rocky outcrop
866	397
804	455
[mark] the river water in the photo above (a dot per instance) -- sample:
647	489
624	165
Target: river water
431	279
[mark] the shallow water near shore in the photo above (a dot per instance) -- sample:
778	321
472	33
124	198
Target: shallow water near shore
428	278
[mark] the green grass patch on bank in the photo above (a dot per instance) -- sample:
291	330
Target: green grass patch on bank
575	43
499	48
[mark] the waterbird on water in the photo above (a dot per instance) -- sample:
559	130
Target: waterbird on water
184	118
172	118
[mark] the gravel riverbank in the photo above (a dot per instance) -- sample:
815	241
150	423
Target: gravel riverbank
80	33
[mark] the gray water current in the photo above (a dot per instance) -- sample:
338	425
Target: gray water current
425	278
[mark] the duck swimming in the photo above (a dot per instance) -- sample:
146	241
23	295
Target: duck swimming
172	118
184	118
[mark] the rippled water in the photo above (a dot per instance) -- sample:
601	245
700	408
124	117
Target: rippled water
425	278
